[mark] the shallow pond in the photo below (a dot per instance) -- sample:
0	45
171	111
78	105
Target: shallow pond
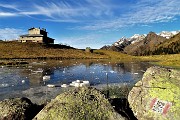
27	81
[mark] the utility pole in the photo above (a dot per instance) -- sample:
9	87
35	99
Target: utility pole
107	83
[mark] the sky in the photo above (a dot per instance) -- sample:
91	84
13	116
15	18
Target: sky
88	23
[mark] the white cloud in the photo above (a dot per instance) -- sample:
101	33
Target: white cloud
143	12
9	6
98	14
7	14
10	33
145	25
83	41
64	11
12	10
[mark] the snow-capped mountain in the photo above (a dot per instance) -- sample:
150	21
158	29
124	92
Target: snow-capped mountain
120	44
131	40
123	42
168	34
137	38
120	41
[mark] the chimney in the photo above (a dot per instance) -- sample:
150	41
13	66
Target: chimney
44	29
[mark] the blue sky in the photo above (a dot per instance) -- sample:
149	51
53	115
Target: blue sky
88	23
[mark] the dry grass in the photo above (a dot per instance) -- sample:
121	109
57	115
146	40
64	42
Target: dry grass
172	60
34	50
115	55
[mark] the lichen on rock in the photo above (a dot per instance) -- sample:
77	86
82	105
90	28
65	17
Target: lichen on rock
84	103
157	95
18	109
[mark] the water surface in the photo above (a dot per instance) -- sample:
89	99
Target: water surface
27	81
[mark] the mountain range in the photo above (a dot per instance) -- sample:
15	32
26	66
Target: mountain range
153	43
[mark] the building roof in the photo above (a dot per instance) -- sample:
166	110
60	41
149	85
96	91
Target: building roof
31	28
50	38
43	29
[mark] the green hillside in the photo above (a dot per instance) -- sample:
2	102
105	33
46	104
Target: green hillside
171	46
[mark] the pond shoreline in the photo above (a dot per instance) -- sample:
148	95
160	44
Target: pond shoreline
28	78
44	94
120	104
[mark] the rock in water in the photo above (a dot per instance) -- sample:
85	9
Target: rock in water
18	109
157	95
79	104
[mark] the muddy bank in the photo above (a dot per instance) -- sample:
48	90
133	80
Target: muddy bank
13	63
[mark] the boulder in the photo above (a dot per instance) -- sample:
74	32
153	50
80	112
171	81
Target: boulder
157	95
18	109
84	103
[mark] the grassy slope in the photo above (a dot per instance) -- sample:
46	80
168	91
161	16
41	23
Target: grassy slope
169	46
164	60
33	50
115	55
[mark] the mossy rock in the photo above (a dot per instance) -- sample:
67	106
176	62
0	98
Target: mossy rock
157	95
17	109
79	104
113	91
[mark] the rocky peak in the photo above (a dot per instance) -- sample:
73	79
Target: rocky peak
153	39
151	33
120	41
137	37
120	44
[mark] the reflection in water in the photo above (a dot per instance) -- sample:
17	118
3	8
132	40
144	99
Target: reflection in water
15	80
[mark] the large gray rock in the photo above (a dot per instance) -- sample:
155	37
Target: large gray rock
17	109
79	104
157	95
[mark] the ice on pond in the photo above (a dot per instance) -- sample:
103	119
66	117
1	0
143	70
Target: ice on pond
80	83
50	85
64	85
23	81
4	85
65	76
46	78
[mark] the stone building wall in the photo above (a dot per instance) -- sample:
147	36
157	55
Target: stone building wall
31	39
